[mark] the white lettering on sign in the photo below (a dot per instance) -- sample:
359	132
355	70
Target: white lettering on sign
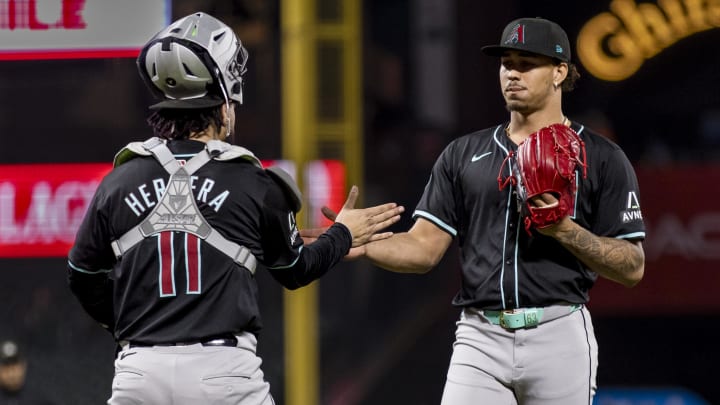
696	238
52	215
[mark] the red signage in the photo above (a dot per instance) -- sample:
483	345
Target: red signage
325	184
24	14
682	264
42	205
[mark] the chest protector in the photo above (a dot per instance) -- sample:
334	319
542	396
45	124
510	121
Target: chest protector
177	209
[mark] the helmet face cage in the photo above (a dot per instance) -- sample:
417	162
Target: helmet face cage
210	41
236	68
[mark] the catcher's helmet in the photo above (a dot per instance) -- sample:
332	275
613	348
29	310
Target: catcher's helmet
195	62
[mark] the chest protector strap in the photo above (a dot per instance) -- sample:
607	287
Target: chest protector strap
177	209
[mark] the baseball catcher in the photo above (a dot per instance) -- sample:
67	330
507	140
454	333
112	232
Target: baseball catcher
546	162
167	252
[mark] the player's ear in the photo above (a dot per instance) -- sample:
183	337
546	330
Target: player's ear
225	129
224	112
560	72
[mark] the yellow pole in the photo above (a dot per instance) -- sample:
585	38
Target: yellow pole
298	88
313	30
352	66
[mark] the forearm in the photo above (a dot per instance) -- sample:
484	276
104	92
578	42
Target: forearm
404	253
619	260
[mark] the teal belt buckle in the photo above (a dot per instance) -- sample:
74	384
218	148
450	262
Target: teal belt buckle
526	318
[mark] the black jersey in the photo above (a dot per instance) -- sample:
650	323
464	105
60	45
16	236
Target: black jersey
172	286
502	266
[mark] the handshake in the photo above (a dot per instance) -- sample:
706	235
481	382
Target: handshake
365	224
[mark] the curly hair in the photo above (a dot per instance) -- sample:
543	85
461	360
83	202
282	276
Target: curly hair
572	77
180	123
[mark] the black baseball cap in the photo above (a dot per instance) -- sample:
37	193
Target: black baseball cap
535	35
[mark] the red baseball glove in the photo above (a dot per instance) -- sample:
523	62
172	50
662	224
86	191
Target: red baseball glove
546	162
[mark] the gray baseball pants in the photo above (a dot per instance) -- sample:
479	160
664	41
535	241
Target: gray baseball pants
553	363
191	375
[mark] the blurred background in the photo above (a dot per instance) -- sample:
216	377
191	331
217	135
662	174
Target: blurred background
401	80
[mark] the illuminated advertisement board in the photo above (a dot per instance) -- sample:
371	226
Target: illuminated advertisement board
42	205
682	247
61	29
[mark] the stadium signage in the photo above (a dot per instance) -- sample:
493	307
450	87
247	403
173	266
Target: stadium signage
59	29
613	45
695	238
17	14
42	205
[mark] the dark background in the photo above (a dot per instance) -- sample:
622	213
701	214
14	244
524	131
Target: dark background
385	338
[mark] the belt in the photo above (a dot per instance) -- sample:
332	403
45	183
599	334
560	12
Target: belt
229	341
528	317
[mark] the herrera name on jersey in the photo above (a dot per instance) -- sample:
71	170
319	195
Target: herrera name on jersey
149	194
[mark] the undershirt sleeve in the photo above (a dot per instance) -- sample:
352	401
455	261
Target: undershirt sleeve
316	258
89	262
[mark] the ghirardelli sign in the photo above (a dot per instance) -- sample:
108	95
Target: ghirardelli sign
614	44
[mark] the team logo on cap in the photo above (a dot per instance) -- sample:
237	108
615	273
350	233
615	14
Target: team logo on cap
558	49
517	35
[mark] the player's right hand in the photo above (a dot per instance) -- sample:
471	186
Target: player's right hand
365	224
310	235
389	211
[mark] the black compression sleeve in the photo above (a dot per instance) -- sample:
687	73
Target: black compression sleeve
316	258
95	292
